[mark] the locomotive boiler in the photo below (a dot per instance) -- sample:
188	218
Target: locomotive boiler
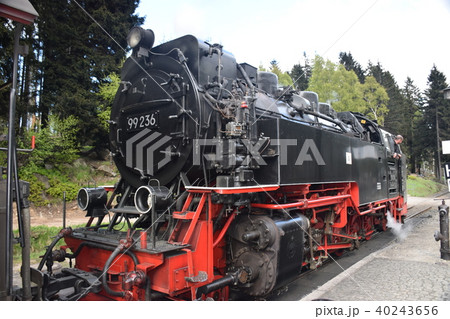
229	183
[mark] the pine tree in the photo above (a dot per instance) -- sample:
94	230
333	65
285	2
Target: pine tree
436	115
301	74
25	95
346	59
413	101
395	122
283	77
26	101
77	56
6	53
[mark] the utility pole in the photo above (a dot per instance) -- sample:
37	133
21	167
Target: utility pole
438	170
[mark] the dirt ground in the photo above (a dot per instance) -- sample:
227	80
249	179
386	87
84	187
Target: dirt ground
53	215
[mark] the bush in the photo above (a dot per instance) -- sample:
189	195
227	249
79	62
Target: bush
57	189
55	144
53	167
37	192
58	183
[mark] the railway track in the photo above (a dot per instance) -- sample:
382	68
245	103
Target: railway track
416	214
424	206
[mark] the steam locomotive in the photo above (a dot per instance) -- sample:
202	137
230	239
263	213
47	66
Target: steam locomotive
229	183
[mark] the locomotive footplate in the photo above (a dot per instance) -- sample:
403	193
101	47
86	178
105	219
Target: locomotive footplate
111	239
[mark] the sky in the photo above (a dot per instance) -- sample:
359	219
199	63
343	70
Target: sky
407	37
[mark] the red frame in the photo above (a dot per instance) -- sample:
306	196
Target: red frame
176	275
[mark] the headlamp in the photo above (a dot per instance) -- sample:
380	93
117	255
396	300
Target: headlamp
140	37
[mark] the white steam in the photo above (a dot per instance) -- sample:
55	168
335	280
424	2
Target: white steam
400	230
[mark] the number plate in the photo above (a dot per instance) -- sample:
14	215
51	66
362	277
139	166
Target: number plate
142	121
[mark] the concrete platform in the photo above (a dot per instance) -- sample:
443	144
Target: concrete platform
410	268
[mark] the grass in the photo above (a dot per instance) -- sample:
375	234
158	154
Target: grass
41	237
421	187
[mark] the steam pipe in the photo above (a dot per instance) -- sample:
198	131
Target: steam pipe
148	289
253	132
100	246
306	203
217	284
108	263
224	230
61	234
245	75
339	123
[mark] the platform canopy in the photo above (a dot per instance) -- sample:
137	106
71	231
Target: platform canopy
18	10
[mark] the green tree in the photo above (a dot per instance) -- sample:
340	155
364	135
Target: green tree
436	116
301	74
26	102
413	102
283	77
346	59
57	143
107	92
26	84
322	79
337	86
375	98
6	53
77	55
349	92
395	122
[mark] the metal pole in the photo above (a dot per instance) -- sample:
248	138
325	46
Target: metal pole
26	250
18	193
3	241
153	227
11	157
64	210
438	171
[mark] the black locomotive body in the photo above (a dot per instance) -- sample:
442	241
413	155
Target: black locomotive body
228	182
177	111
